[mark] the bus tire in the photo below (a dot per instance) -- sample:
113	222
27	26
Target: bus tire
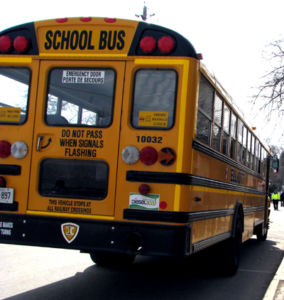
112	259
261	237
234	249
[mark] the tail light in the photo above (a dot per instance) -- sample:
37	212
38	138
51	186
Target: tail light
5	149
148	155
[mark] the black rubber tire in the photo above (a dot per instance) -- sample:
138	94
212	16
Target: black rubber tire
261	237
234	249
112	259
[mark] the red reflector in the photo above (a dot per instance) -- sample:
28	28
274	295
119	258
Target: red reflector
86	19
5	149
148	44
148	155
163	205
61	20
144	189
166	44
21	44
110	20
6	44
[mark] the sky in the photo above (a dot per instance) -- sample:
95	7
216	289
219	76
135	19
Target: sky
232	35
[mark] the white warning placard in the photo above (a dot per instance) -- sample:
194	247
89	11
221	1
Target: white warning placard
84	76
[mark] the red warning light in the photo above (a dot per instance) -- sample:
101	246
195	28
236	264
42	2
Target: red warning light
5	149
166	44
6	44
21	44
148	44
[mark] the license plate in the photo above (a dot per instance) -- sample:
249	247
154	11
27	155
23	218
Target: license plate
6	195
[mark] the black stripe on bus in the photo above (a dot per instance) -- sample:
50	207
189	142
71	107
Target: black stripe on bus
10	170
186	179
181	217
223	158
174	217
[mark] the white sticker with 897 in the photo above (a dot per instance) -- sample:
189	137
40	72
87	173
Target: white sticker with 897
6	195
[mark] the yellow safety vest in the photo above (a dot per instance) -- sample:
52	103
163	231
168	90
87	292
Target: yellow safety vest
275	196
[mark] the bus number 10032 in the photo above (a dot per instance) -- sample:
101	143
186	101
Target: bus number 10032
149	139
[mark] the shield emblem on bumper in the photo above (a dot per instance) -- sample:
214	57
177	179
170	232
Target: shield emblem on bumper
69	231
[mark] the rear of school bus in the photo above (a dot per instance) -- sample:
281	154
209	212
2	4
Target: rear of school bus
97	119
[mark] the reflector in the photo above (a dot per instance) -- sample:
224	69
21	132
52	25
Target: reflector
130	155
144	189
19	149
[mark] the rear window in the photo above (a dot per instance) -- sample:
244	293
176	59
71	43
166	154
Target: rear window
80	97
14	95
66	178
154	99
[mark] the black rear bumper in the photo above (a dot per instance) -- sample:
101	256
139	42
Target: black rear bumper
96	235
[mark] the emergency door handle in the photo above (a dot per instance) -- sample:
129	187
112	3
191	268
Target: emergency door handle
38	142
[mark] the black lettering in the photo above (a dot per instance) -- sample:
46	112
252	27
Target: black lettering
120	36
56	44
103	40
100	134
65	39
83	40
111	42
74	40
48	36
90	47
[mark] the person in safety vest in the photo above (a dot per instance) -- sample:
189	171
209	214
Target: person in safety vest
275	197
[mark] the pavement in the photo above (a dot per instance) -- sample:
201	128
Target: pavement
275	290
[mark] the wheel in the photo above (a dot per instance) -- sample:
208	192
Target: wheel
261	237
234	249
112	259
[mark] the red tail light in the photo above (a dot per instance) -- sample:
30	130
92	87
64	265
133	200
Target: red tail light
148	44
21	44
148	155
5	149
166	44
6	44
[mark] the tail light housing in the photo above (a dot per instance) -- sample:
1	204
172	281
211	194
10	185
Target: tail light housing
5	149
148	155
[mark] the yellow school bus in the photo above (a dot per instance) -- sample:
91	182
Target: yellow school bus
116	141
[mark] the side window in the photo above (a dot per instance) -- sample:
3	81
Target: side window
244	146
80	97
233	136
218	116
257	155
249	149
14	95
240	140
205	112
226	133
252	153
154	99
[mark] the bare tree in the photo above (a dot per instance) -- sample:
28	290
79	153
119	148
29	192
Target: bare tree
269	97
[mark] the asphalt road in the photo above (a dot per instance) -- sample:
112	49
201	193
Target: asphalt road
42	273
